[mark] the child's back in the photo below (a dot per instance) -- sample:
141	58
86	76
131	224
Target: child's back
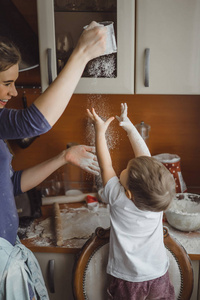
137	262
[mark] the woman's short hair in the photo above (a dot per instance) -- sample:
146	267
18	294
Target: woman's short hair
9	54
151	184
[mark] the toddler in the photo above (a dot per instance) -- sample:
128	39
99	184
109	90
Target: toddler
138	263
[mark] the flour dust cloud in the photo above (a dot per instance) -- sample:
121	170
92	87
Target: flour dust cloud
104	110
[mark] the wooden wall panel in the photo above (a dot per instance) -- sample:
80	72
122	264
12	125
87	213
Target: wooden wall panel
174	121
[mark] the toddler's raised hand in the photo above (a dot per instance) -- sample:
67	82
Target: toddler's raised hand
100	125
124	121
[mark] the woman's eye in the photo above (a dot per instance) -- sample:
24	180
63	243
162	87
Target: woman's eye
7	84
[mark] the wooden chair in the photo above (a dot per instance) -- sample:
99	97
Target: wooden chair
90	277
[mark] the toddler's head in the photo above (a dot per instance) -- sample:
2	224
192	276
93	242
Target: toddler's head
150	185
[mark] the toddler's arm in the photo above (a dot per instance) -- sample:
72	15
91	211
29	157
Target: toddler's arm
138	144
103	154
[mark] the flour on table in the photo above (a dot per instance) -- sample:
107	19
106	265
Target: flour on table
84	223
77	223
190	241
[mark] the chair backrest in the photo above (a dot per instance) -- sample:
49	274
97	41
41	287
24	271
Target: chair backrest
90	277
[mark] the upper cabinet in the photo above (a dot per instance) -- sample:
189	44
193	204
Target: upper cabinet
165	35
167	47
60	24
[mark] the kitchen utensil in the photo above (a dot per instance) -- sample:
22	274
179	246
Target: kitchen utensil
25	142
143	129
58	224
184	212
50	187
66	199
111	46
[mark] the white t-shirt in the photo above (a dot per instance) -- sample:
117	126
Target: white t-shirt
136	249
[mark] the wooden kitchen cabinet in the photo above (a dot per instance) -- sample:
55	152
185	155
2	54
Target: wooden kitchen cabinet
59	281
60	25
195	294
63	269
167	47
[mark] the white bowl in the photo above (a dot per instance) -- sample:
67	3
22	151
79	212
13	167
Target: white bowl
184	212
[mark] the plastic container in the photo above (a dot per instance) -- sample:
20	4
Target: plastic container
143	129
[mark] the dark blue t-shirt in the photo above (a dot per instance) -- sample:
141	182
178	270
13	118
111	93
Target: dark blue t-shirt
14	124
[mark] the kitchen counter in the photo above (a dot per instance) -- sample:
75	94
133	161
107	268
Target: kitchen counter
189	240
38	243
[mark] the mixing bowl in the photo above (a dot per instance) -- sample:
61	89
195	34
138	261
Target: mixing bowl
184	212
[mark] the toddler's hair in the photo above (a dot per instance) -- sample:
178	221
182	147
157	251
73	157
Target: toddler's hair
151	184
9	54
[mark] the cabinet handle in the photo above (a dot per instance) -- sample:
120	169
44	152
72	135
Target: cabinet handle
49	52
50	276
146	67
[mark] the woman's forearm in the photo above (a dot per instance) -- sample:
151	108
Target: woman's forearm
33	176
54	100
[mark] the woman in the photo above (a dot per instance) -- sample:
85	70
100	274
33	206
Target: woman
20	277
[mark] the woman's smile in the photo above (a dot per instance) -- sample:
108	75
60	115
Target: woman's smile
3	102
7	84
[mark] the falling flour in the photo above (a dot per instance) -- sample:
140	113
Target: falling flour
103	109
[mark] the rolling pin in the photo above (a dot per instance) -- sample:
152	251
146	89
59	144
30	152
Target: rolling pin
58	224
66	199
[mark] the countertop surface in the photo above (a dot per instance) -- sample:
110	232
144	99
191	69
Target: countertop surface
39	241
189	240
41	235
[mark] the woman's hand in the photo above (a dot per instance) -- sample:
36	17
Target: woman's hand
100	125
92	41
83	157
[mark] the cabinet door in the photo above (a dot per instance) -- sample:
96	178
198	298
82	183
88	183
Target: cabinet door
57	272
195	266
170	30
123	81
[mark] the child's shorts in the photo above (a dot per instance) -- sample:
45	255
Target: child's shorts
156	289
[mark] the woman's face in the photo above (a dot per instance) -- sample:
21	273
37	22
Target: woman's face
7	84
